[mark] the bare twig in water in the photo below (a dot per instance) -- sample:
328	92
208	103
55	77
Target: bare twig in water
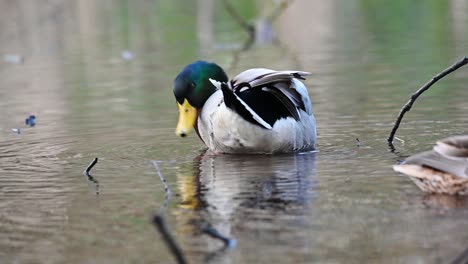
358	142
90	166
87	172
421	90
212	232
160	224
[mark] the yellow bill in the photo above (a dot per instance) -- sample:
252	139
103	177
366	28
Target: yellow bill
187	118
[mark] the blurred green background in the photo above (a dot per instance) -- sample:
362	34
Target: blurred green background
98	76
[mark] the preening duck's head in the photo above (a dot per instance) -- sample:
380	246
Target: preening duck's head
192	87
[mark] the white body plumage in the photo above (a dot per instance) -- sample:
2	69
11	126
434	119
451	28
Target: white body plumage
223	130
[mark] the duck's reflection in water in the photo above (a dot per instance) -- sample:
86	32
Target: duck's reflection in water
254	198
445	201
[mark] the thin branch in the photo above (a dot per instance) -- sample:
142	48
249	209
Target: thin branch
421	90
90	166
87	173
160	224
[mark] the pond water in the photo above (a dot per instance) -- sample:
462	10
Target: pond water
98	76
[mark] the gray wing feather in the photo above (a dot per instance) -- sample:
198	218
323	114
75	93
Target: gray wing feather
435	160
281	80
456	146
261	76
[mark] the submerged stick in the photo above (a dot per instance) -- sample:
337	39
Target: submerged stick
421	90
90	166
87	172
160	224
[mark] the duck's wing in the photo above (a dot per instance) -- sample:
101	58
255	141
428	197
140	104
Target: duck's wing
456	146
281	83
457	166
268	95
260	76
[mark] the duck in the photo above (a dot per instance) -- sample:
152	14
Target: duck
259	111
442	170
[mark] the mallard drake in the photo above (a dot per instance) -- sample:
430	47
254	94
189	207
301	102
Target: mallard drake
258	111
441	170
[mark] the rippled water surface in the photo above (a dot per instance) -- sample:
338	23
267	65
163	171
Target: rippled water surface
98	77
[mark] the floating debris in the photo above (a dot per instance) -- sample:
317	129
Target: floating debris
358	142
127	55
16	130
30	121
13	58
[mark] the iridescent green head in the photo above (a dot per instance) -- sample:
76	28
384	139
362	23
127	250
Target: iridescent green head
192	88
